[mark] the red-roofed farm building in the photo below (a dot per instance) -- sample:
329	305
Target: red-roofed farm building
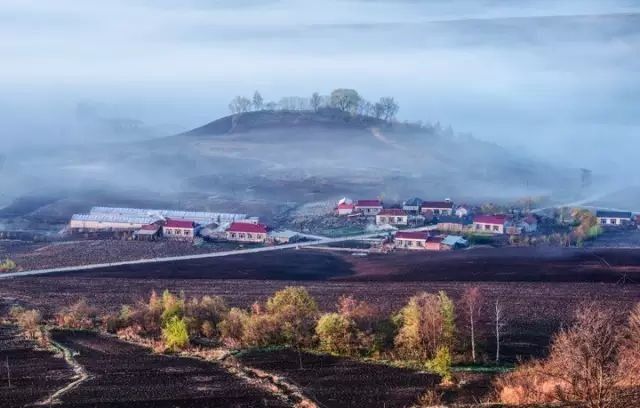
245	232
179	229
368	207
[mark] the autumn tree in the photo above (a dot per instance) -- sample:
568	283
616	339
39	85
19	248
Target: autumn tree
583	366
629	370
338	334
205	314
471	306
425	325
77	316
295	310
232	327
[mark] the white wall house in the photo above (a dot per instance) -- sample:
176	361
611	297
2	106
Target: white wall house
437	207
613	218
392	216
489	224
368	207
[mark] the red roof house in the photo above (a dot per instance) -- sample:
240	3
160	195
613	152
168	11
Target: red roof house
244	232
247	228
345	208
179	224
179	229
494	224
369	207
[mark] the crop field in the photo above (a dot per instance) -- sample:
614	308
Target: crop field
33	374
342	382
125	375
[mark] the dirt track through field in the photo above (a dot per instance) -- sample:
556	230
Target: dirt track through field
127	375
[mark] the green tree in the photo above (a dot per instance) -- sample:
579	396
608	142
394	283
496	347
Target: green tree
441	363
175	333
448	312
171	306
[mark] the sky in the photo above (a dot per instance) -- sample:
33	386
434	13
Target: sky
555	79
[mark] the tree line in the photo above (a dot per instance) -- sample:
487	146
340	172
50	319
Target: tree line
594	361
343	99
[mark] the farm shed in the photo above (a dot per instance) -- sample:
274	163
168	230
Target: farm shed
149	232
199	217
110	222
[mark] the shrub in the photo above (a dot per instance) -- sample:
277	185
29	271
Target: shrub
175	334
232	327
337	334
295	312
441	363
172	306
205	315
262	330
77	316
7	265
28	320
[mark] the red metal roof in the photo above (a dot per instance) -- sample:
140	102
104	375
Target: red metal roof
437	204
179	224
245	227
435	240
368	203
412	235
490	219
150	227
392	211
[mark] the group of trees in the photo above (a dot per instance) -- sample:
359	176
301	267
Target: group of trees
346	100
427	332
595	362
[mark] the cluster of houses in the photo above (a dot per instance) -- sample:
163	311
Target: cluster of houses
150	225
448	216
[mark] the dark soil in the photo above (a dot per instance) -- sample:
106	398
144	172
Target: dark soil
475	265
35	374
125	375
342	382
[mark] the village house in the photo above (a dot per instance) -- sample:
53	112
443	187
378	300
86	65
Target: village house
492	224
179	229
411	240
614	218
368	207
450	223
412	205
149	232
392	216
345	209
245	232
437	207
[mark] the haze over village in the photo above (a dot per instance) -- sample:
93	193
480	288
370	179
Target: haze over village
348	203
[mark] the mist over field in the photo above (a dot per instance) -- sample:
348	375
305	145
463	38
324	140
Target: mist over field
87	84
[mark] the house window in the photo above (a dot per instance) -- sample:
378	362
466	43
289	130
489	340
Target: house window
495	228
249	236
186	232
613	221
487	227
603	220
410	243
